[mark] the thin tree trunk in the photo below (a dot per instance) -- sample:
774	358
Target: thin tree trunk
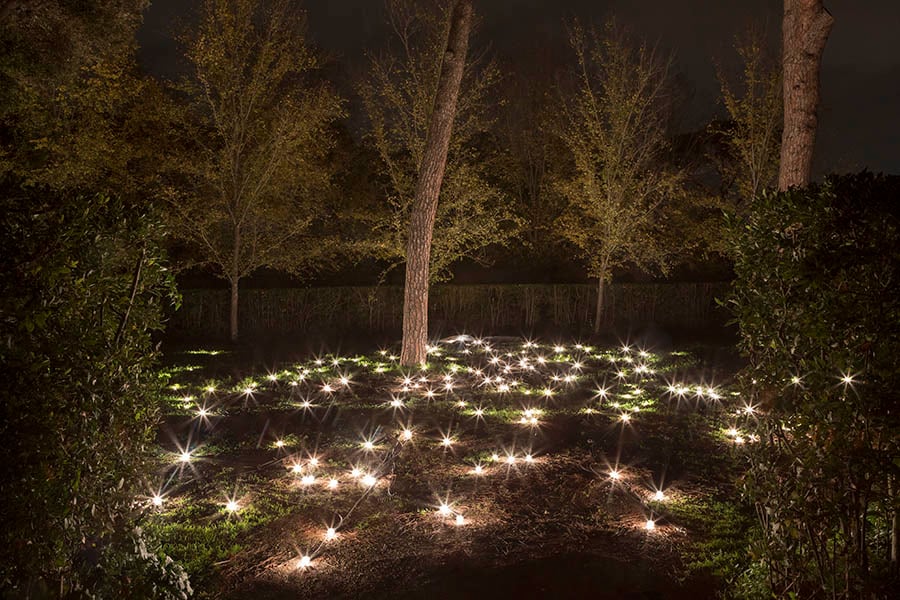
428	187
601	284
234	278
895	529
805	28
234	310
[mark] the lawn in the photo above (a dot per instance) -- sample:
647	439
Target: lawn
503	467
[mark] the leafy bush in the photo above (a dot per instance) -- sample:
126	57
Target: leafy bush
817	297
83	285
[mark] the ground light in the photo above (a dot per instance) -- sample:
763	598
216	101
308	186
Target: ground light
537	376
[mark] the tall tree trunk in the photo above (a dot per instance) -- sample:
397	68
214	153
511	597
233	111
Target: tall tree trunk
601	284
805	28
428	187
234	278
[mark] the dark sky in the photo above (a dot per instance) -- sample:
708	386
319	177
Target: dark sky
860	104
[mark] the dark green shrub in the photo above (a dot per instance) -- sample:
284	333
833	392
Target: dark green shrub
83	286
817	298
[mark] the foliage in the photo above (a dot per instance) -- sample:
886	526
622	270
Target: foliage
75	113
127	569
250	185
817	298
529	160
753	134
83	287
615	128
398	98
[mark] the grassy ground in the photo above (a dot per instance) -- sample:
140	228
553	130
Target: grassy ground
528	470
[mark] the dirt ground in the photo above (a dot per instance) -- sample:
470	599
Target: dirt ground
545	494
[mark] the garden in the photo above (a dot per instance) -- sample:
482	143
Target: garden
585	468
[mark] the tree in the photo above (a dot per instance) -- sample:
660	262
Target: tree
615	128
529	156
753	135
250	193
428	186
805	28
75	112
401	97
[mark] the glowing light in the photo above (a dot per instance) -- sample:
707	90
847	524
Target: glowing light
210	389
313	461
249	391
406	434
659	496
330	533
444	510
460	520
510	460
848	379
650	525
273	377
184	457
202	412
478	470
495	457
795	380
308	479
355	473
157	500
306	404
327	389
279	444
479	412
625	417
738	440
732	432
529	458
304	562
559	349
447	442
461	404
396	402
615	474
296	467
232	506
547	392
345	381
332	484
368	445
369	480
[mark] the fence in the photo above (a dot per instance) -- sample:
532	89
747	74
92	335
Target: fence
477	308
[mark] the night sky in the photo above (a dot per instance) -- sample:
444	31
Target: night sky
859	115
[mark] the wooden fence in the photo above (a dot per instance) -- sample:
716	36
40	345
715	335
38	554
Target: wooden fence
488	309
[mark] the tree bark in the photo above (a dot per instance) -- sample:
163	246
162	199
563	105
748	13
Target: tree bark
428	187
601	284
805	28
